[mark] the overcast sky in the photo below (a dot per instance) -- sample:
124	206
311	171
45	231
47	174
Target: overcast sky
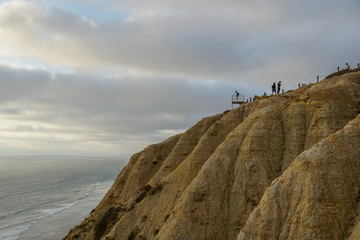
108	78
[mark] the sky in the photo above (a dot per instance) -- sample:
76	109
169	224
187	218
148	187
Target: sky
108	78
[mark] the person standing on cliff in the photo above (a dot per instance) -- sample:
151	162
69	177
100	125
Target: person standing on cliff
279	86
347	66
237	95
273	88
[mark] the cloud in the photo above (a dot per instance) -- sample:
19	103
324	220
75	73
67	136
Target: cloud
205	39
18	82
114	76
116	115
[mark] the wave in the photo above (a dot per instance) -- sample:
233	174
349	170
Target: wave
15	231
90	191
64	206
52	211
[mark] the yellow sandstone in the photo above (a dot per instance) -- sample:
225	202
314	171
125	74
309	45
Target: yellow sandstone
282	167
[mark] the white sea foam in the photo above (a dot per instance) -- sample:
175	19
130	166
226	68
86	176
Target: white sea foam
13	232
52	211
47	195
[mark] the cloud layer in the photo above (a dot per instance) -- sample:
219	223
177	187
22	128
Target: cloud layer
109	77
42	112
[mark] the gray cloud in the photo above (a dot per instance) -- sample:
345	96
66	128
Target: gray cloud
17	83
117	113
141	71
197	40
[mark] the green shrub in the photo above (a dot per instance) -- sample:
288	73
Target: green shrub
143	193
84	224
157	188
131	236
100	226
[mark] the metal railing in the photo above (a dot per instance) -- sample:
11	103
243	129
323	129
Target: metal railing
237	99
240	99
335	72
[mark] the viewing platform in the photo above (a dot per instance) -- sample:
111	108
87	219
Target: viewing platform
240	99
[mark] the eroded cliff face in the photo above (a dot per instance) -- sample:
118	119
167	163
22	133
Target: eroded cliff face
282	167
317	197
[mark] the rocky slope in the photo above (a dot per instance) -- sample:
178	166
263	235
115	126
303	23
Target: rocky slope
282	167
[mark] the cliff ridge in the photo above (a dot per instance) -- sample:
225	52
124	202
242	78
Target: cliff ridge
282	167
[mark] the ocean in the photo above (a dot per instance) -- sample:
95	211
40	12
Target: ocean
44	197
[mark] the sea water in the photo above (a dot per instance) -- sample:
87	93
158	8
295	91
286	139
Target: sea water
44	197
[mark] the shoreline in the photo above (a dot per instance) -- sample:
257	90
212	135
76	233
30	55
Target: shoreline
60	221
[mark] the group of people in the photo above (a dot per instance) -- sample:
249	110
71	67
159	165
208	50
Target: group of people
274	87
277	87
255	97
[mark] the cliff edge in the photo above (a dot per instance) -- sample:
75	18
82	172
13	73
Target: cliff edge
281	167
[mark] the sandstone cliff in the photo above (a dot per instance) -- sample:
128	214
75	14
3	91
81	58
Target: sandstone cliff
282	167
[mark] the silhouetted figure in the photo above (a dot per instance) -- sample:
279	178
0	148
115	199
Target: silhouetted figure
237	95
273	87
347	66
279	86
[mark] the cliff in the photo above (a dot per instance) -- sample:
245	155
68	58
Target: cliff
282	167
